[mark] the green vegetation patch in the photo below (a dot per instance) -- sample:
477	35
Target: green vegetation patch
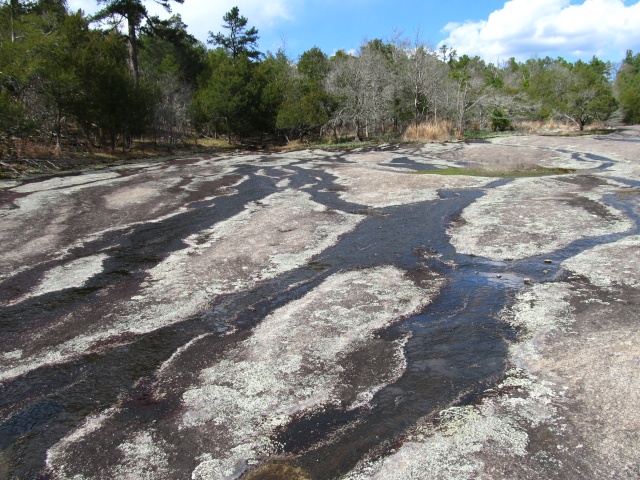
341	145
484	134
500	172
323	145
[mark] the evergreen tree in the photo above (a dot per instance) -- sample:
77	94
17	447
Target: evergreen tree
135	13
274	74
29	36
588	96
240	40
307	106
628	87
229	98
170	38
112	104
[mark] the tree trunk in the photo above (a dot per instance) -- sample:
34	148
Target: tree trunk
13	6
58	130
415	106
133	48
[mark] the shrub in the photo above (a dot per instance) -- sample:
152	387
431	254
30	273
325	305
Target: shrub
499	120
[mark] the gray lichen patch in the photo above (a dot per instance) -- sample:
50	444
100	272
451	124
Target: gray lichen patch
298	359
372	158
486	440
293	362
143	458
280	233
606	147
51	216
609	264
308	154
541	310
8	184
134	195
73	274
376	187
529	217
468	442
570	407
65	182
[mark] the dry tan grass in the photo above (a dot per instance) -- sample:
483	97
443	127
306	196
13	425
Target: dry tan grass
212	142
540	126
34	150
296	144
438	131
535	126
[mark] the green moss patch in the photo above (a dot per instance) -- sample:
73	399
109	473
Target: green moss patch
500	172
485	134
629	192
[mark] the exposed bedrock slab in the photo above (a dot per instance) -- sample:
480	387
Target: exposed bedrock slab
377	187
588	350
295	360
507	157
182	335
610	264
278	234
475	441
44	219
621	146
529	217
570	408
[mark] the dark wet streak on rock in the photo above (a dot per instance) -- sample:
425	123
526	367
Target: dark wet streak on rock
448	354
94	382
97	381
379	233
457	345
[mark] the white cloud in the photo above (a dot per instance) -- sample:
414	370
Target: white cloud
524	28
203	16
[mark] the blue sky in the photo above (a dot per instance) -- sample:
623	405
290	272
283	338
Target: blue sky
494	30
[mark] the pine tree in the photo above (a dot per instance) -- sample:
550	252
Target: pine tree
240	41
135	13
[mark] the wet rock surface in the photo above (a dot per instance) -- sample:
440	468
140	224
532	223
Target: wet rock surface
326	315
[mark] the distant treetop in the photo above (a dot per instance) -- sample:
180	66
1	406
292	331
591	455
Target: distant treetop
240	40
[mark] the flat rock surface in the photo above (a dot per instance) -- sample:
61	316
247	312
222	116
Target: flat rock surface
327	315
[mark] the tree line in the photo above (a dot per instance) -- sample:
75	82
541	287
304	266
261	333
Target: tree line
103	80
